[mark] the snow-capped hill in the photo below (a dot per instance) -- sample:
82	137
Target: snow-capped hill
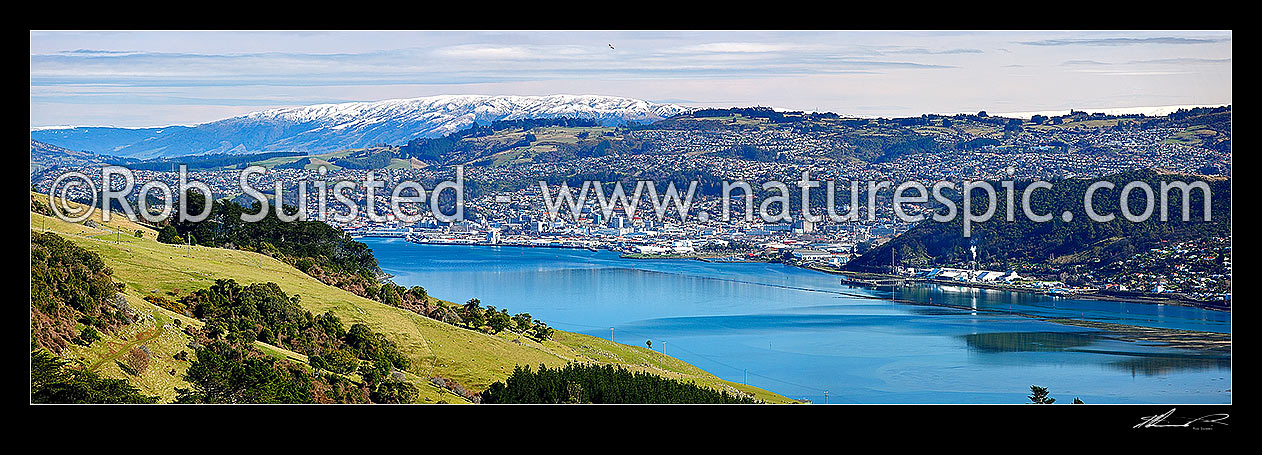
328	127
461	111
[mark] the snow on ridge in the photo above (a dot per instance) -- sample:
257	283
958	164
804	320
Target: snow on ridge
485	107
326	127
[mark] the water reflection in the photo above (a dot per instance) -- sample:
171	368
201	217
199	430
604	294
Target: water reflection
1028	341
1162	365
1136	361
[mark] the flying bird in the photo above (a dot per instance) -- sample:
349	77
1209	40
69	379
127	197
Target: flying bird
611	46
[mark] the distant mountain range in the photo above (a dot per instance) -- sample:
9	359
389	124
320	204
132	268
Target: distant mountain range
44	156
330	127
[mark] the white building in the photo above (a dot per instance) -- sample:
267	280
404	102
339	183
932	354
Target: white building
650	249
811	255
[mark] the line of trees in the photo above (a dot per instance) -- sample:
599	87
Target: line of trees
589	383
474	316
372	159
211	161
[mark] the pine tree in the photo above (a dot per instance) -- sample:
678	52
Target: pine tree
1040	395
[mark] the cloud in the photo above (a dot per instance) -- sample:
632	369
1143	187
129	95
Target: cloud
486	52
1134	73
97	52
1083	62
743	47
1121	41
1181	61
1160	61
923	51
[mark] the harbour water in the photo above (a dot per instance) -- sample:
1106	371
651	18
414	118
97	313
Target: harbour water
800	333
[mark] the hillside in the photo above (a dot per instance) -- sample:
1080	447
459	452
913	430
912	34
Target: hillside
472	359
1003	245
330	127
44	156
573	145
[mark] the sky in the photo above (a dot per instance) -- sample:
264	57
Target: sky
159	78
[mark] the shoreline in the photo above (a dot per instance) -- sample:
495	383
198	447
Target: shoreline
1153	300
1213	342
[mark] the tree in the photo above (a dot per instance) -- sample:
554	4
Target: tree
390	295
337	361
224	373
1040	395
88	335
1012	126
472	313
394	392
168	234
521	322
419	294
375	372
499	320
542	331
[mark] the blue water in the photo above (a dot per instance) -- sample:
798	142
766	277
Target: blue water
800	333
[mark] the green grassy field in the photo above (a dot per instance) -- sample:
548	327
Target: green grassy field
546	140
1193	137
474	359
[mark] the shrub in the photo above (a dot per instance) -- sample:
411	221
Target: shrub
163	302
137	360
89	335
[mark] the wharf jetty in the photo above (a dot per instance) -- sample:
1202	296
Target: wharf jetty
891	281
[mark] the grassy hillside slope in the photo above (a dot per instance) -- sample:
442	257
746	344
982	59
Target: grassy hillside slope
473	359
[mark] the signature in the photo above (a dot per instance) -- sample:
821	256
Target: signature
1203	422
